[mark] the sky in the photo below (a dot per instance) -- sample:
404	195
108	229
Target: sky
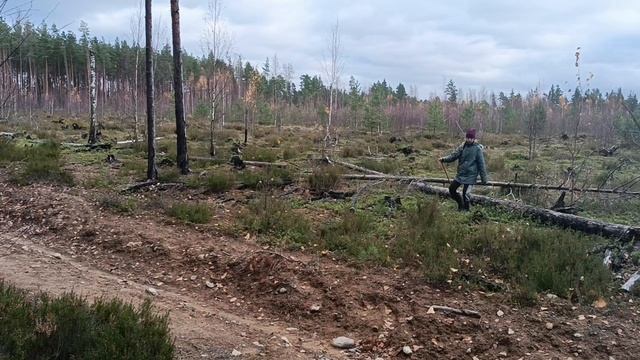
484	46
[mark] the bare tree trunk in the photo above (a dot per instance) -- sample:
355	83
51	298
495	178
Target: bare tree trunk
212	145
181	125
152	171
93	128
246	125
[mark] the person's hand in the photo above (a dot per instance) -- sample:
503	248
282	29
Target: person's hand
441	159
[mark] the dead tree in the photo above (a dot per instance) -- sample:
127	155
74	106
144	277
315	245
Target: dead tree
93	127
152	171
181	125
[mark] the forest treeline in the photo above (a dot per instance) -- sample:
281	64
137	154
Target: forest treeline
45	70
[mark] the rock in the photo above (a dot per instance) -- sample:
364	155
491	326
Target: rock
503	354
407	350
581	317
193	277
549	326
577	335
236	353
282	290
552	296
600	303
510	331
210	285
343	342
500	313
632	282
152	291
57	255
315	308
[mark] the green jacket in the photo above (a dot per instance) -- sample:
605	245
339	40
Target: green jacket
470	163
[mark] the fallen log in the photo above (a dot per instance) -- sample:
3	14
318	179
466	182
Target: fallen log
588	226
7	135
502	184
245	162
126	143
356	167
97	146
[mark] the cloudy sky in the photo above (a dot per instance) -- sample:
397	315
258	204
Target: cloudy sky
491	45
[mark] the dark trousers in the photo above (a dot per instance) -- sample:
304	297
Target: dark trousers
463	201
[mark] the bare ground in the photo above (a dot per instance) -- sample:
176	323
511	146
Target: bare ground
225	293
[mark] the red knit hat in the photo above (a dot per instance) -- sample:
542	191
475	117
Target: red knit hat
471	134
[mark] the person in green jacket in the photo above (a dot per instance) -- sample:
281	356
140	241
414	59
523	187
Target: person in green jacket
470	165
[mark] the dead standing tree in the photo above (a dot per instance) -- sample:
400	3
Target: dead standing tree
136	33
216	45
152	171
181	125
333	67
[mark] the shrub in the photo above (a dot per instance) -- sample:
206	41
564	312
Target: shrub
275	218
259	154
290	153
265	179
218	183
539	260
42	162
191	213
354	234
426	239
351	151
495	163
324	178
10	153
168	175
118	204
67	327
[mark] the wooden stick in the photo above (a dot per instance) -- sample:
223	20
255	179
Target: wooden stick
462	312
490	183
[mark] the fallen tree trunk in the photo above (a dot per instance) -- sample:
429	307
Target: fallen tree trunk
126	143
245	162
357	168
95	146
588	226
490	183
7	134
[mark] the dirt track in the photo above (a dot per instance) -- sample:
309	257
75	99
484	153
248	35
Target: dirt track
228	293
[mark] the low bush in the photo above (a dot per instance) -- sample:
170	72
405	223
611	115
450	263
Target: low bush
276	219
68	327
195	213
324	178
386	166
41	163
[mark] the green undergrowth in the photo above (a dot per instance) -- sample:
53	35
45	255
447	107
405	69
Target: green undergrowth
42	327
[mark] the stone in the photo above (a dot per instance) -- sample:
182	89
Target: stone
510	331
210	285
236	353
407	350
632	282
57	255
343	342
282	290
500	313
152	291
549	326
315	308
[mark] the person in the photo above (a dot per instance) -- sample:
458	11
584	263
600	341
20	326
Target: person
471	164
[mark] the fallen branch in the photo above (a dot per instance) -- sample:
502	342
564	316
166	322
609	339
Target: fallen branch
355	167
142	185
577	223
490	183
462	312
245	162
7	134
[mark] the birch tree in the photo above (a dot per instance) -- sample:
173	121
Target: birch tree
136	33
93	126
